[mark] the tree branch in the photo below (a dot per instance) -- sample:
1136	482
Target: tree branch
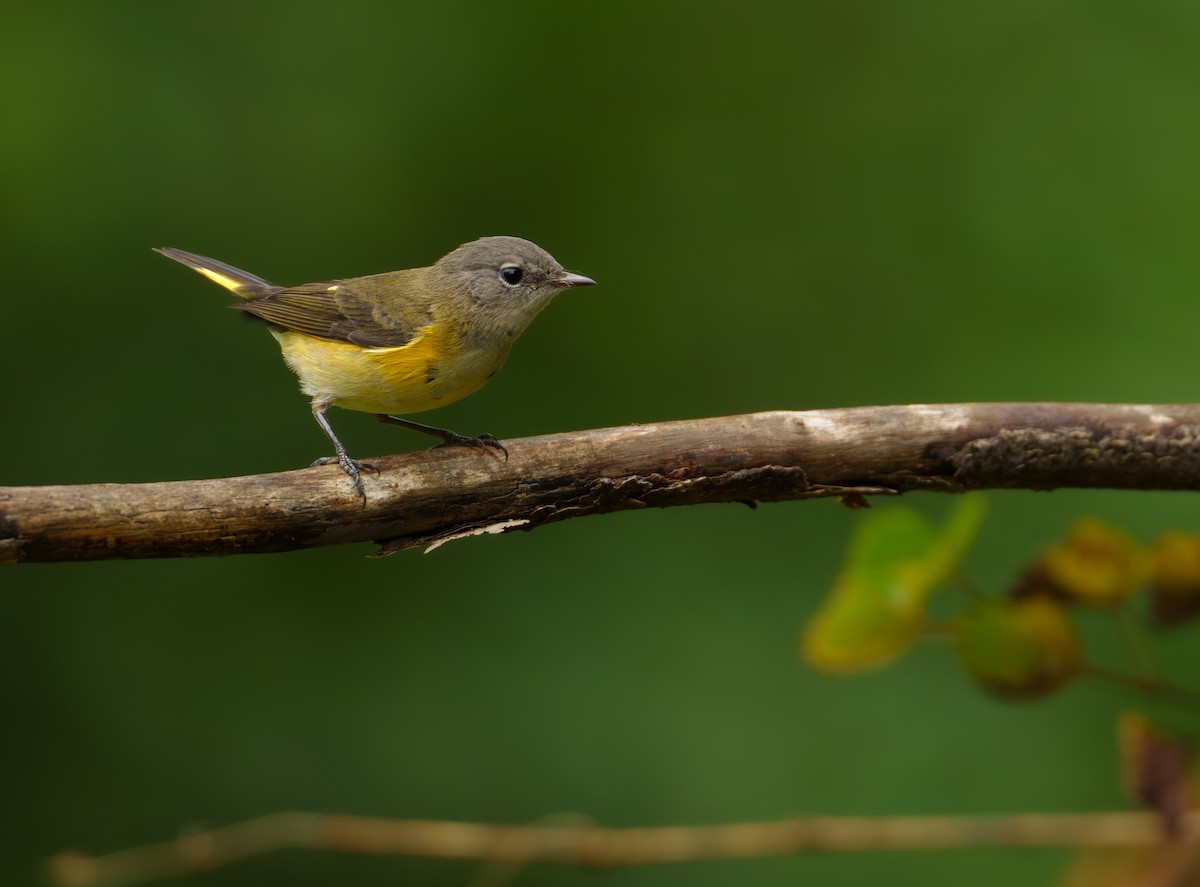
429	497
584	844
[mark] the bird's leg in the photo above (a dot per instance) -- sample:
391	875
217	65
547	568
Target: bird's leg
352	467
449	438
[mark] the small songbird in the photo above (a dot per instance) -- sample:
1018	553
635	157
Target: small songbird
403	341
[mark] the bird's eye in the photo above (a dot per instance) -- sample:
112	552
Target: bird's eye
512	274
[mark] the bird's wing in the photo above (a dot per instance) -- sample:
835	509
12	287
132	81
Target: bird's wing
348	311
339	310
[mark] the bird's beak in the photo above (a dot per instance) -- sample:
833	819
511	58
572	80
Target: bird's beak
567	279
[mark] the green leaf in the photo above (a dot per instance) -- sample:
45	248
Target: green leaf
877	608
1018	649
958	534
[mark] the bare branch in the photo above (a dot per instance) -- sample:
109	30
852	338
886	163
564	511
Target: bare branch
583	844
432	496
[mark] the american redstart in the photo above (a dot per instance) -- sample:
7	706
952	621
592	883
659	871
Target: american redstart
404	341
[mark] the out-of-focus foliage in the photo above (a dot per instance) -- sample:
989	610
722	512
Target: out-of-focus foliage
1175	589
877	608
1021	645
1095	565
1021	649
1154	768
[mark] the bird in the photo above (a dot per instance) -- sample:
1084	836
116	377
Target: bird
400	342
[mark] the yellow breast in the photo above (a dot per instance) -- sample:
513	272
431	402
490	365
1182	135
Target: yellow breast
432	370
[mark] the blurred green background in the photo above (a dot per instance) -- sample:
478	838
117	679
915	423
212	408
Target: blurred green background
812	205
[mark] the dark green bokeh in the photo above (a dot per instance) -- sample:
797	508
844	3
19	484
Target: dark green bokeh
826	204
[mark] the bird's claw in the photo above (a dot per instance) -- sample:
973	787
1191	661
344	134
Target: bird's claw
481	442
352	467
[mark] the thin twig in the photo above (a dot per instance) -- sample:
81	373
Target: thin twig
581	844
1151	686
1132	633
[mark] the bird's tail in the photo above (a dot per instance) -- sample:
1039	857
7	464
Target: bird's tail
237	281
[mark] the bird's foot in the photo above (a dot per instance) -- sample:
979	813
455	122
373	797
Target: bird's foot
482	442
352	467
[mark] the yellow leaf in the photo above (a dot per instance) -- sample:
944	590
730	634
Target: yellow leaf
1095	565
1175	578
